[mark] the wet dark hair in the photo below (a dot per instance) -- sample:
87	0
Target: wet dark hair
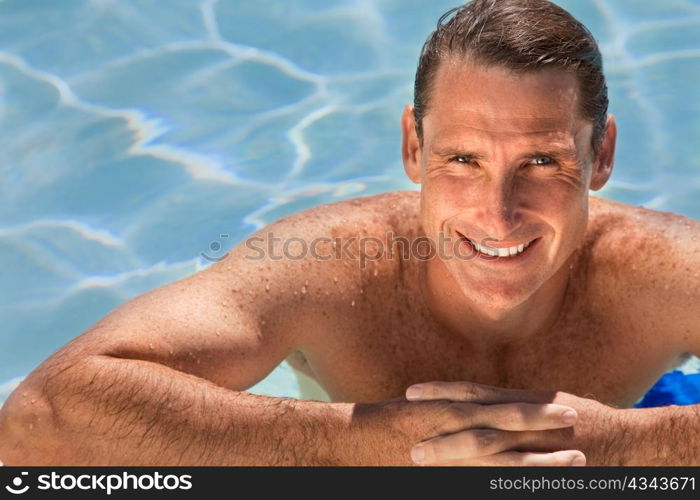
523	36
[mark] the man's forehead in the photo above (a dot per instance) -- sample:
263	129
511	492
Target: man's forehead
476	124
464	133
474	100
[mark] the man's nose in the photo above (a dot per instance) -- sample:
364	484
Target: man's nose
499	213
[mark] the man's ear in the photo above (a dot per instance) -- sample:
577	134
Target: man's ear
602	167
410	147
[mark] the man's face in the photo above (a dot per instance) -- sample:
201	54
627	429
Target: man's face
506	163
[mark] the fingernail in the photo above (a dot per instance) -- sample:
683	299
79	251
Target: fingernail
568	417
578	460
418	454
414	392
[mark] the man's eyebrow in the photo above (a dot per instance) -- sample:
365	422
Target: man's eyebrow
563	153
458	152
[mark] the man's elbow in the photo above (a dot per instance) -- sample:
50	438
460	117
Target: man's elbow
28	435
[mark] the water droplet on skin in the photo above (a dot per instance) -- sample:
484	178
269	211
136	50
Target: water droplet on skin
362	290
24	394
303	289
31	426
306	283
218	333
33	401
352	304
267	287
335	279
376	272
150	346
224	303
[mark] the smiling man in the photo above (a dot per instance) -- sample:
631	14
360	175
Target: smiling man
535	319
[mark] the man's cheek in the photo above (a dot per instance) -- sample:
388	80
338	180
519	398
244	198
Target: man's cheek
560	202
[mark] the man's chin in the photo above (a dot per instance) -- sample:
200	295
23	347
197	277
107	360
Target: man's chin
497	294
505	301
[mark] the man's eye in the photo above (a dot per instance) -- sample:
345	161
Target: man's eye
462	159
542	161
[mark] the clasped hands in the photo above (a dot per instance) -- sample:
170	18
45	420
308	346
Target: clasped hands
510	427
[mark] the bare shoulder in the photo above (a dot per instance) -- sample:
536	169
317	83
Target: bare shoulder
648	262
368	216
647	239
302	270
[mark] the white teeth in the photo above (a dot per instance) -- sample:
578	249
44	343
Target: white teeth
500	252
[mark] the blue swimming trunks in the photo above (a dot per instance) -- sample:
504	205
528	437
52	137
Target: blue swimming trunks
674	388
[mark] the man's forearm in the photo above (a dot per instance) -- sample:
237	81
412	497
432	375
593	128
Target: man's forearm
106	410
668	435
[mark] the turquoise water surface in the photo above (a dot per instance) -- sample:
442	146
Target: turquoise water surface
135	133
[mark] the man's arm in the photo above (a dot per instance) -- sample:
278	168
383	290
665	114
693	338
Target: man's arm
669	280
103	410
667	435
607	436
670	435
160	380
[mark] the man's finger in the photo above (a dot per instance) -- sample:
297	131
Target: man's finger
463	445
473	393
515	416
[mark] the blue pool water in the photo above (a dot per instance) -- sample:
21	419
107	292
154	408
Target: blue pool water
135	133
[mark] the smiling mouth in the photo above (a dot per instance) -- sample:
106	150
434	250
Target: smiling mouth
500	253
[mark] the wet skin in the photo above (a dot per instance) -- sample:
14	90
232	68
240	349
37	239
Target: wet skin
602	302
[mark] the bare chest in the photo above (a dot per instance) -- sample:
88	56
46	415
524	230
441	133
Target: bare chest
612	360
605	346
